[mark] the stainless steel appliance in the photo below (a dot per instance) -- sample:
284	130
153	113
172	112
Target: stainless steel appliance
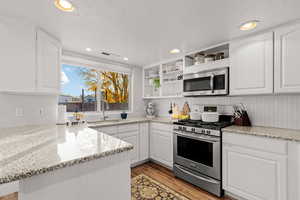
197	153
212	82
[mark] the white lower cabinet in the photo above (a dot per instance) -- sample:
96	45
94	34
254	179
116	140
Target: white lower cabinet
153	141
161	144
144	141
132	138
255	168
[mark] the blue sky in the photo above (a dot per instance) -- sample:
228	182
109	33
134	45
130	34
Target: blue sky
71	82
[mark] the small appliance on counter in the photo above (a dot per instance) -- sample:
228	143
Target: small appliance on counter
210	114
195	113
150	110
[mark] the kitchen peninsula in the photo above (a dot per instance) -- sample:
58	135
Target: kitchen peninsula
59	162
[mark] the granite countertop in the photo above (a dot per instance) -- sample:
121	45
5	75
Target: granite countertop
31	150
114	122
280	133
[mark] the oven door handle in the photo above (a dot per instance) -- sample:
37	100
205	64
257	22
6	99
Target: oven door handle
210	180
212	77
197	137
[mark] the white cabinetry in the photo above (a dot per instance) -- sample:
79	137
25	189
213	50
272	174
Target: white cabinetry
251	70
255	168
144	141
163	80
17	56
287	62
161	143
132	138
48	63
30	58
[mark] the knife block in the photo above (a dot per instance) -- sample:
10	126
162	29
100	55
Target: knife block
243	120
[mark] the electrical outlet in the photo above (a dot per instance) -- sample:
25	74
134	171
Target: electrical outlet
19	112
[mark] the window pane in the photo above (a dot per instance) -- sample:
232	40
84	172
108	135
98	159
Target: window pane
79	88
115	89
83	88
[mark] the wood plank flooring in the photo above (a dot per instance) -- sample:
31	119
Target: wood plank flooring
164	176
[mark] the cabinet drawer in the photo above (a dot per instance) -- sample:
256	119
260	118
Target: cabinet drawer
110	130
128	127
162	127
256	142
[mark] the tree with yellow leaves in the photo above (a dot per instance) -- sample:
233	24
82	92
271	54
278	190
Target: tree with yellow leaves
112	84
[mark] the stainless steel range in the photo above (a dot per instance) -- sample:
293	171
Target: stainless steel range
197	154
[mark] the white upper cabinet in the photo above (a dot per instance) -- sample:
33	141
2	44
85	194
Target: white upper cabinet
30	59
48	63
17	55
287	62
251	70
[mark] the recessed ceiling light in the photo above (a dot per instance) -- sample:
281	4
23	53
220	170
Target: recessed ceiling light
125	58
174	51
249	25
64	5
88	49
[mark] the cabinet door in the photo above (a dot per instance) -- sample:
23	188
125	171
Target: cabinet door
144	141
161	147
287	62
48	63
17	55
254	174
251	70
109	130
132	138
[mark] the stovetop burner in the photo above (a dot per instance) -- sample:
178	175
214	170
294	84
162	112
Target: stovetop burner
202	124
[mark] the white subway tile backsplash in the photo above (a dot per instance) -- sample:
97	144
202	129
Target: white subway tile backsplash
282	111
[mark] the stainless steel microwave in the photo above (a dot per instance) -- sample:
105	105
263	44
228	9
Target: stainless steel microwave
206	83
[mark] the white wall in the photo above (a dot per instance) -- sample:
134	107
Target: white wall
31	106
273	111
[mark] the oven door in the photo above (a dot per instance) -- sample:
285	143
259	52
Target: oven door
206	83
198	152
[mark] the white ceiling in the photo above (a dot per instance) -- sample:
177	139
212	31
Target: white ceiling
145	30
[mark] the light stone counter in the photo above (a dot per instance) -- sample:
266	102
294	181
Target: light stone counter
286	134
32	150
113	122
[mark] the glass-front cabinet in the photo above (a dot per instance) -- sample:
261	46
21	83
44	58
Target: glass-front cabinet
152	86
164	80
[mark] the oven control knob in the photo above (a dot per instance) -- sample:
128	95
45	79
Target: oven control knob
179	127
184	128
203	131
208	132
193	129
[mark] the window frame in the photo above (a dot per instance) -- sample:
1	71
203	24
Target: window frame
99	111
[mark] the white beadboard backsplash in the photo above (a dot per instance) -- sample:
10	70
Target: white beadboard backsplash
281	111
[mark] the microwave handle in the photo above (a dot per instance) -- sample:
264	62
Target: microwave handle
212	77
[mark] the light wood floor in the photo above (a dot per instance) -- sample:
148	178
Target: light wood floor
164	176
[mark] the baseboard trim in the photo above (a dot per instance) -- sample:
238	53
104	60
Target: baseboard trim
139	163
162	164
